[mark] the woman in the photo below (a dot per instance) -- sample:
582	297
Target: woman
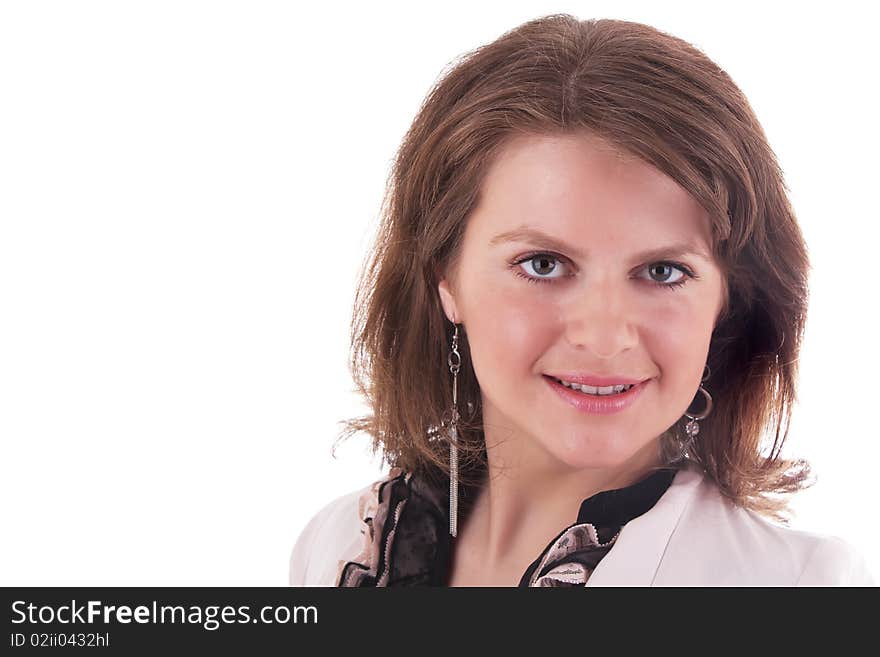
586	235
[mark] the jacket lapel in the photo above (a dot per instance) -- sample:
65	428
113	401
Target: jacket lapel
638	550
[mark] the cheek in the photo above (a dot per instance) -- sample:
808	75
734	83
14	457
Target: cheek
509	328
677	338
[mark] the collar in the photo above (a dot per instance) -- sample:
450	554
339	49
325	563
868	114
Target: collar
422	543
604	513
614	508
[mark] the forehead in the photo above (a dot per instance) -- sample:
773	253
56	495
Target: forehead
581	188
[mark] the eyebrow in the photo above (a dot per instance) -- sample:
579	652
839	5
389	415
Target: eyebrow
544	241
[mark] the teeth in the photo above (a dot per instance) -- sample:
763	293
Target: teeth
592	390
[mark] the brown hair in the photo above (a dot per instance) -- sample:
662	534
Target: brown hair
651	95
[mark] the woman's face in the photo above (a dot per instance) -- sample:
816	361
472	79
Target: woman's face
589	299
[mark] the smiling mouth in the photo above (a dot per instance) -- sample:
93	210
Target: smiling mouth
595	391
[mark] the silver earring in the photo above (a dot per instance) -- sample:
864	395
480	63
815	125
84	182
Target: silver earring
454	362
692	428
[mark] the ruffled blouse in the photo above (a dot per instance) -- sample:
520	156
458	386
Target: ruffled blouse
407	542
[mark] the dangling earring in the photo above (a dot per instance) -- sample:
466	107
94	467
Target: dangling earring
692	428
454	362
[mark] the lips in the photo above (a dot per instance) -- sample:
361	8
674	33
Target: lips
597	404
595	380
575	386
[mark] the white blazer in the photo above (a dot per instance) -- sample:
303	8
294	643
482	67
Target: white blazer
692	536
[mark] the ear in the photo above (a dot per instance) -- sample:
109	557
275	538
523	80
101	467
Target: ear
447	300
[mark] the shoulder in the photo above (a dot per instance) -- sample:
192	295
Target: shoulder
834	562
333	533
740	547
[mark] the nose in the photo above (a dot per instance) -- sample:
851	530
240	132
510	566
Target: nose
601	322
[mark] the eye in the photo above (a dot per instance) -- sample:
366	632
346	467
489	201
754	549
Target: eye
541	264
665	274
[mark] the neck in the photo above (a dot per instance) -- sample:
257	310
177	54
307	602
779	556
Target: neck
529	497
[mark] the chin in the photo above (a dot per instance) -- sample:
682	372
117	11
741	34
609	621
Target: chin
579	452
595	456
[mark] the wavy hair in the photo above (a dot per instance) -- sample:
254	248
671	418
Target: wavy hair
651	95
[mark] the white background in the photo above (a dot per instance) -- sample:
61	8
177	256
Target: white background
187	190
